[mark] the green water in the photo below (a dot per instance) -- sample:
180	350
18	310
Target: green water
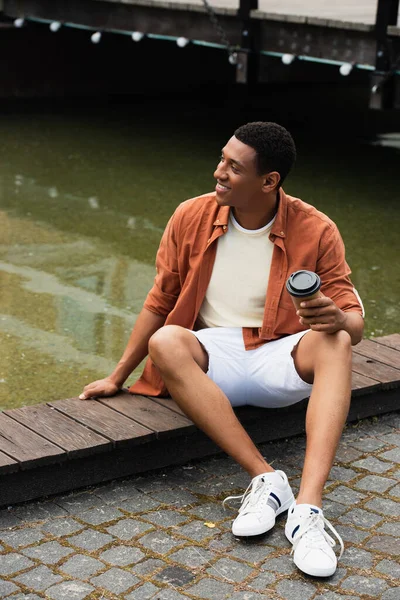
83	203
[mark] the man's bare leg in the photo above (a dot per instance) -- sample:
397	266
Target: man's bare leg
182	362
325	360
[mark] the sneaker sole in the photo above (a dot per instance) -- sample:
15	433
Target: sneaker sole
314	572
260	530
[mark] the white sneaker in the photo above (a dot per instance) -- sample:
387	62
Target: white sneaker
312	546
267	496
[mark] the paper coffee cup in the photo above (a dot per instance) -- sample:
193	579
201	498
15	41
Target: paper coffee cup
303	285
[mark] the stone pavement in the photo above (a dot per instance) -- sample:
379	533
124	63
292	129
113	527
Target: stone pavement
165	535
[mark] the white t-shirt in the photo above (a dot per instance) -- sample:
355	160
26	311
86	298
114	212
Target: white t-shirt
238	286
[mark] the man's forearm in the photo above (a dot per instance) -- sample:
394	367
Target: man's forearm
354	325
136	350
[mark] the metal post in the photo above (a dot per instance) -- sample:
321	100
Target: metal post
382	85
246	71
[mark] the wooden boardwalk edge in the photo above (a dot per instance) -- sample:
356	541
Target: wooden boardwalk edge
59	446
123	461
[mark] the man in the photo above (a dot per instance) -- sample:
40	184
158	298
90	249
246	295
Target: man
221	330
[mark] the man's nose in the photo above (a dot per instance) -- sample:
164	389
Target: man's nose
219	172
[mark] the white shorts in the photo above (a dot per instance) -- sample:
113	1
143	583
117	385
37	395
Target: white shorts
264	377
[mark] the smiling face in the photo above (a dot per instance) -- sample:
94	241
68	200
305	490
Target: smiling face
238	183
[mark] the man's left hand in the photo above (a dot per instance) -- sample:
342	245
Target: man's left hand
322	314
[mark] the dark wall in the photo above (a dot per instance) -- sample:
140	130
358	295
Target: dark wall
35	62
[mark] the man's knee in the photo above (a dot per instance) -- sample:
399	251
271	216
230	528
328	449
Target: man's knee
317	349
171	345
166	343
332	346
338	341
321	341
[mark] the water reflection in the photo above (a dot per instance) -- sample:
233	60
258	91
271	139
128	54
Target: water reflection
388	140
64	303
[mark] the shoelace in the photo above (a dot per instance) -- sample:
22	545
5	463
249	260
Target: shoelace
314	526
251	495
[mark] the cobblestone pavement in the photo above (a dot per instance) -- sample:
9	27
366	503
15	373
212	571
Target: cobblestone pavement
166	536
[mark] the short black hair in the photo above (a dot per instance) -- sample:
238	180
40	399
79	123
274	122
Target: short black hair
273	144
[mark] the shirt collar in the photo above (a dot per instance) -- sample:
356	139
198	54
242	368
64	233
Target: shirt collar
279	226
222	216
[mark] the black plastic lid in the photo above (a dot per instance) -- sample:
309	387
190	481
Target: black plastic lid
303	283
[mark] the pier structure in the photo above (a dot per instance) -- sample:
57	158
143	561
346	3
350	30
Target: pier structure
264	40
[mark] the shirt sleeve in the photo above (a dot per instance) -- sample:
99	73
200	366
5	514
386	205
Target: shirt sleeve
162	297
335	273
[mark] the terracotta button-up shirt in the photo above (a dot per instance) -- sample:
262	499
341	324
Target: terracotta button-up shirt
304	238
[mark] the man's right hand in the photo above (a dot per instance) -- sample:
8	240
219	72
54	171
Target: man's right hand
101	387
137	349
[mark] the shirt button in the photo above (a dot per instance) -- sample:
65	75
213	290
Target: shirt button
282	233
209	240
217	221
224	227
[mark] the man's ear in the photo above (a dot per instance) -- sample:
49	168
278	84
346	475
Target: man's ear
271	181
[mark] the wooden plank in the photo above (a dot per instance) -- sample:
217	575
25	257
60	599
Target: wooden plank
362	383
26	447
91	470
362	11
267	16
74	438
7	464
379	353
163	421
392	341
104	421
169	403
387	375
339	24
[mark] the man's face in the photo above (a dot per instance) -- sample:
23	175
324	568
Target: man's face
238	182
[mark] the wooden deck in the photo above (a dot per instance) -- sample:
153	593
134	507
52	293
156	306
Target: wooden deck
345	11
59	446
320	36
